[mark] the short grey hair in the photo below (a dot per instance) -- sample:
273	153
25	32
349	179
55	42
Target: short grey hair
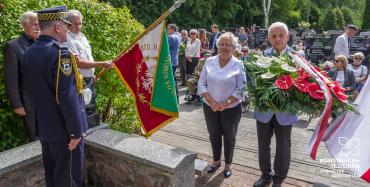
72	13
27	16
172	26
278	25
360	54
193	31
245	47
228	36
185	31
47	24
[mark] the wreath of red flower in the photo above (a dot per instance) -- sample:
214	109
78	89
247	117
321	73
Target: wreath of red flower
303	73
315	91
302	84
338	91
284	82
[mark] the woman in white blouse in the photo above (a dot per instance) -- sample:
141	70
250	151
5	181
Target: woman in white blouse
222	85
192	53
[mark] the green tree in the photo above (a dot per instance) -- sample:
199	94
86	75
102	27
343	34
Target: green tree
347	15
329	20
109	31
366	17
339	18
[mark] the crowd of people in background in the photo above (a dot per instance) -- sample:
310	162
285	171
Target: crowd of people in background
199	44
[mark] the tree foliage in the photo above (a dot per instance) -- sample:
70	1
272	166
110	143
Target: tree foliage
366	17
109	31
236	13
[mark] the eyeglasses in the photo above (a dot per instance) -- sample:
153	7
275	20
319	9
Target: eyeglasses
358	58
337	61
192	34
245	51
225	45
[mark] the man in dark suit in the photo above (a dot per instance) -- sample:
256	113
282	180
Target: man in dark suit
13	73
55	85
214	37
279	123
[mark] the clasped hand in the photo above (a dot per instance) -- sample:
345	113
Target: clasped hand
219	106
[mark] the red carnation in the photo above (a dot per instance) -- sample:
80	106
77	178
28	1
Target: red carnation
315	91
303	73
284	82
302	84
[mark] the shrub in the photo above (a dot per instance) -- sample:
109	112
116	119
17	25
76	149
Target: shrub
109	31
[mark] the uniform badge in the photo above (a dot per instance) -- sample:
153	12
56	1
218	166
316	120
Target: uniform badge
66	66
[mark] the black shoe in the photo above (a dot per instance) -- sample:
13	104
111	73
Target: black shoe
189	98
212	169
262	182
277	181
227	173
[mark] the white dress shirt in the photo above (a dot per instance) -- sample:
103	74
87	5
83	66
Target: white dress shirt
341	45
221	83
80	46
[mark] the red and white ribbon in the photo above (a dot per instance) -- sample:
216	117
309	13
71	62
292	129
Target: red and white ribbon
324	117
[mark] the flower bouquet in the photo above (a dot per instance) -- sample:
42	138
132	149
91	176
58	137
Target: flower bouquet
182	49
290	83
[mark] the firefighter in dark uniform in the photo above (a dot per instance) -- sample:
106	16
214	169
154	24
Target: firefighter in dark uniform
55	87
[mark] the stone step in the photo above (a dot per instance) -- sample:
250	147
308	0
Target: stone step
200	167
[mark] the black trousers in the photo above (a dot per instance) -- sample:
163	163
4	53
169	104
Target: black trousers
222	123
62	166
283	145
190	66
182	64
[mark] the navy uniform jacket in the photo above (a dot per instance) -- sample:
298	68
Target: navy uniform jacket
59	110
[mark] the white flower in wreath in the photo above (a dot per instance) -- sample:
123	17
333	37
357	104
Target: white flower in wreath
268	75
288	68
263	62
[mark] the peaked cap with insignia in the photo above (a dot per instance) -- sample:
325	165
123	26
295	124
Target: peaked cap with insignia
54	13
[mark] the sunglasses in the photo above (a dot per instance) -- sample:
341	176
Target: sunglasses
192	34
244	51
358	58
337	61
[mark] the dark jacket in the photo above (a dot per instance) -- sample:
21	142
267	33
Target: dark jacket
51	84
349	77
13	71
213	42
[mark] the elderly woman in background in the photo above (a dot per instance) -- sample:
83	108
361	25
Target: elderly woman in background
342	74
192	53
222	85
360	72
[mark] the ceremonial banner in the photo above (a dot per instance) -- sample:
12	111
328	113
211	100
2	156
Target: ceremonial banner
347	138
146	70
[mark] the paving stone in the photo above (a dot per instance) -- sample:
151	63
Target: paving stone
190	132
